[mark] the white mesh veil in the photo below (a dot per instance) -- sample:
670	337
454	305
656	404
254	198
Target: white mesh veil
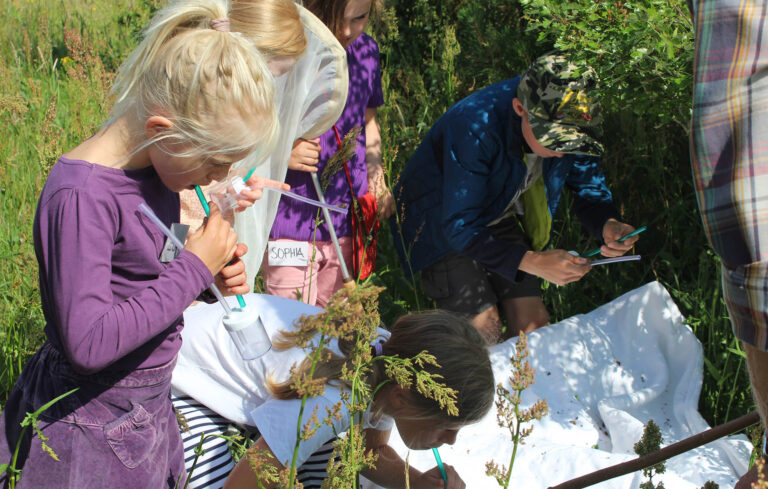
310	98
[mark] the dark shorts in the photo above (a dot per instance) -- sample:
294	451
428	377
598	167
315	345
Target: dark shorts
461	285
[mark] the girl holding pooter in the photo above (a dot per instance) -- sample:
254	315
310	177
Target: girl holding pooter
192	99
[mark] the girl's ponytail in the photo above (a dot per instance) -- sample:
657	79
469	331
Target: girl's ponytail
274	26
167	23
200	78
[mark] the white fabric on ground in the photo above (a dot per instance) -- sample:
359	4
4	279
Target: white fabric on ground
603	374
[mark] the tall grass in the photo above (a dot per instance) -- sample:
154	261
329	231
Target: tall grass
57	59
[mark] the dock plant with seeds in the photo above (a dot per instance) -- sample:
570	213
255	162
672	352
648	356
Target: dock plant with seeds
508	412
237	444
649	443
760	483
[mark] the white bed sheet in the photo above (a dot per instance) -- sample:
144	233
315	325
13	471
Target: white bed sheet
603	374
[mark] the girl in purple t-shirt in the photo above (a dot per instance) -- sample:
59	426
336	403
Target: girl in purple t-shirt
189	100
316	276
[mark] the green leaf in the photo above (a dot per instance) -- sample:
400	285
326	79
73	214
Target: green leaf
713	371
737	352
54	401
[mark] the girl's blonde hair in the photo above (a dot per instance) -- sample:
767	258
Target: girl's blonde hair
273	26
200	79
459	349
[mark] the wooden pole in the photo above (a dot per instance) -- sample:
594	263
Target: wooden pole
665	453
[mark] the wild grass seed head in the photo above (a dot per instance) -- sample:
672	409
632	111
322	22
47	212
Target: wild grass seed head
336	161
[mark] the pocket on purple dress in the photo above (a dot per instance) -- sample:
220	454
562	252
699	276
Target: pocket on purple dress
132	436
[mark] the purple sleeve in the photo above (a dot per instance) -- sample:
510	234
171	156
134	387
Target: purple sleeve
77	239
377	94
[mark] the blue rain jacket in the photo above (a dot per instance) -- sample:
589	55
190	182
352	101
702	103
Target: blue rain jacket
465	173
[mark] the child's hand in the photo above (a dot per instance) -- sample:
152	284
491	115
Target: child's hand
432	479
214	242
377	185
556	266
613	230
231	280
386	204
305	155
255	191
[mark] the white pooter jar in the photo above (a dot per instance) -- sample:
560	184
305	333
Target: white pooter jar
247	331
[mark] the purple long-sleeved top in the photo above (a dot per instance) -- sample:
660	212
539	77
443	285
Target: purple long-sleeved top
295	220
108	301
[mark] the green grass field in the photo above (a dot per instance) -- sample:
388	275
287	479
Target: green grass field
57	59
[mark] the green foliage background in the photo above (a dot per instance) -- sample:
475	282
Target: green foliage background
55	70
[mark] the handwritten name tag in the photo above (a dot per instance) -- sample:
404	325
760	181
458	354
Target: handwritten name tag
288	253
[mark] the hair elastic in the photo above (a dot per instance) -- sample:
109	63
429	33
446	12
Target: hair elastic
221	25
378	348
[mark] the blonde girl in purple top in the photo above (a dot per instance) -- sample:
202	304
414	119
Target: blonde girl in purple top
315	280
192	99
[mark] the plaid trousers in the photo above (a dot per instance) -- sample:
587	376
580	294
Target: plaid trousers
729	152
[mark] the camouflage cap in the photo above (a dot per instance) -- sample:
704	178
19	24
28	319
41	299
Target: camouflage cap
559	98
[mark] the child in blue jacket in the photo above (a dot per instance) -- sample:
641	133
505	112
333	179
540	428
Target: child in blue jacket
475	201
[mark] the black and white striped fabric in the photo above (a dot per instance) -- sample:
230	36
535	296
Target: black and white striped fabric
312	473
216	463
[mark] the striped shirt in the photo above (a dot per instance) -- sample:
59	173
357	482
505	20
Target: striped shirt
210	468
729	148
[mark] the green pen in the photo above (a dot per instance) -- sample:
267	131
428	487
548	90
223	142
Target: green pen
633	233
441	467
207	210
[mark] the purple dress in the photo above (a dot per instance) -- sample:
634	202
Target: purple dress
295	220
113	319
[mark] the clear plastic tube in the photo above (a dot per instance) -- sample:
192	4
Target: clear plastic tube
307	200
176	242
226	194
